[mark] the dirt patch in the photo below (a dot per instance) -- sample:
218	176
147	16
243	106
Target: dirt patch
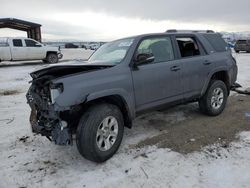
200	130
9	92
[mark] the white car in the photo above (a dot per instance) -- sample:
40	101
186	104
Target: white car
20	49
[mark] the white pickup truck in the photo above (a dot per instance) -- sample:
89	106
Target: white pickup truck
20	49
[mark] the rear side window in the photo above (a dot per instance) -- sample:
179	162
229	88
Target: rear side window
188	46
17	43
216	42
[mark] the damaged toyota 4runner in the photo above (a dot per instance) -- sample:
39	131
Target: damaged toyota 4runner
93	101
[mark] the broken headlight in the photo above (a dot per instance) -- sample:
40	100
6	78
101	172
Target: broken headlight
55	91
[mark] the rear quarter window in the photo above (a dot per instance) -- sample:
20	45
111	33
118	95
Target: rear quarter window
216	42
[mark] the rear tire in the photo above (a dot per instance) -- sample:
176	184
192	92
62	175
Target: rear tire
237	51
99	132
215	98
52	58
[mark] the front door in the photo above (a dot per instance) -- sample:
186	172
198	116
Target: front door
34	49
157	82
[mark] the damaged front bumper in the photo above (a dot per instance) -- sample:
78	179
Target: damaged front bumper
47	122
60	55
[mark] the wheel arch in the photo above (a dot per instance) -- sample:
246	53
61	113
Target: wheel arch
51	52
117	100
221	74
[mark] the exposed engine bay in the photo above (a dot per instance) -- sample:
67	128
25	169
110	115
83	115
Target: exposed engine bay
57	125
43	118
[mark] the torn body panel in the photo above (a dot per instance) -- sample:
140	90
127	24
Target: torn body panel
45	120
47	117
68	68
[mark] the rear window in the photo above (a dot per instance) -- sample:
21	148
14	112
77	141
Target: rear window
241	42
216	42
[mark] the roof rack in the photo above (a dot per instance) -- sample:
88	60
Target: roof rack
189	31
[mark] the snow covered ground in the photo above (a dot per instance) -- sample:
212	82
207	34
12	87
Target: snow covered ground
29	160
78	53
243	61
68	54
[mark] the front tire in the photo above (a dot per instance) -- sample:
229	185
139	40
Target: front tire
215	98
99	133
52	58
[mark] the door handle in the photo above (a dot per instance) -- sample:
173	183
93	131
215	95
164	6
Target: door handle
206	62
175	68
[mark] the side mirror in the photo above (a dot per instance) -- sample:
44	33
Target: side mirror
143	58
38	45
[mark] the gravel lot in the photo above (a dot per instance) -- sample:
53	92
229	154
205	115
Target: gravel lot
198	130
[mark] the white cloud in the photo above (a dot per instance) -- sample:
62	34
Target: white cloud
101	26
5	32
106	20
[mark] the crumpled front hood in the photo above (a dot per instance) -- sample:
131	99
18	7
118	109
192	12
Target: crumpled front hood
68	68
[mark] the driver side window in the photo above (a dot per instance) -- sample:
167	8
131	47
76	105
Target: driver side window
160	47
31	43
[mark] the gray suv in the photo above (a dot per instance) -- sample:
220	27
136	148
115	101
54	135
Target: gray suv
242	45
96	99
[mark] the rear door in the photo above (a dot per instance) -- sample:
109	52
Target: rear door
18	50
5	54
196	64
157	82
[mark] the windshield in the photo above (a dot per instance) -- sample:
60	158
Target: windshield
112	52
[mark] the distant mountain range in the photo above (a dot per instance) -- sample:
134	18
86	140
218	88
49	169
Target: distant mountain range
228	36
233	36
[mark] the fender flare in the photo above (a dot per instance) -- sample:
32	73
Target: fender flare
209	77
53	52
127	99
